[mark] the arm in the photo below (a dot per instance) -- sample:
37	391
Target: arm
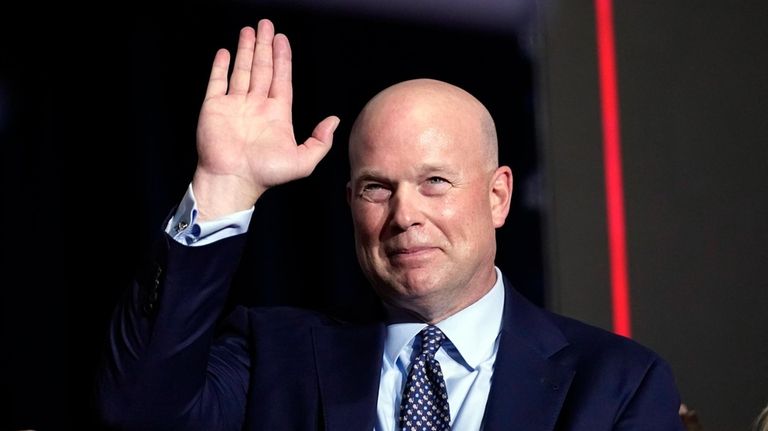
163	368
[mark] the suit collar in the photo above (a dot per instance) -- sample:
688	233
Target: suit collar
349	364
529	386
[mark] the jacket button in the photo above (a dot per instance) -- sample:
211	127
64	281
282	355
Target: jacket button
147	308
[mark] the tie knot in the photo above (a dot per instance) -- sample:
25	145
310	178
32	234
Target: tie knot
431	339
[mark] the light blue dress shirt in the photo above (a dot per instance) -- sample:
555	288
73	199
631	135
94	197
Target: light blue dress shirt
466	358
185	229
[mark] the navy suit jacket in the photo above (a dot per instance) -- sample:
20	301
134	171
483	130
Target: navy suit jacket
170	366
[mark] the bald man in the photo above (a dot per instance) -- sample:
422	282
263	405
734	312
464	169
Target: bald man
458	349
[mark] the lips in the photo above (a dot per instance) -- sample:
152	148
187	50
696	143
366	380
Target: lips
411	255
409	250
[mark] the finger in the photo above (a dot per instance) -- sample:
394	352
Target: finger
241	74
217	83
261	69
315	148
282	87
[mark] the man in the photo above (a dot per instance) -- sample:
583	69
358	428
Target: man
459	348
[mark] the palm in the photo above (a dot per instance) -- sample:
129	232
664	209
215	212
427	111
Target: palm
251	139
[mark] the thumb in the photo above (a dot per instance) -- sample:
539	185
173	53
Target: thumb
317	146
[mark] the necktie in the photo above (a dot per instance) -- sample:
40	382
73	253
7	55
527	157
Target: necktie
424	406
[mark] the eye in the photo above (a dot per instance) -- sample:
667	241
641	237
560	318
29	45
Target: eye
436	180
435	186
375	192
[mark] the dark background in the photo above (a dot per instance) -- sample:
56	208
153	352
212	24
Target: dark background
100	136
97	116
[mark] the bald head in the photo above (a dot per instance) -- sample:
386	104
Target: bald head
426	195
430	103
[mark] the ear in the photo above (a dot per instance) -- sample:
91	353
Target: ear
349	192
500	195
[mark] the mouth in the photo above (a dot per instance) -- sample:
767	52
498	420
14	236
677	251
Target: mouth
410	254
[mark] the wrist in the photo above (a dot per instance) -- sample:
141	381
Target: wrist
221	195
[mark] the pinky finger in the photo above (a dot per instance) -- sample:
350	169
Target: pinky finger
217	84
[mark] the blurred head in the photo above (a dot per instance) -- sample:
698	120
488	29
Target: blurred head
761	422
426	196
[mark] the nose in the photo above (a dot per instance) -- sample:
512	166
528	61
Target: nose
405	209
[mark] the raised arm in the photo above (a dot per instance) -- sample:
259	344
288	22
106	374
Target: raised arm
165	365
245	137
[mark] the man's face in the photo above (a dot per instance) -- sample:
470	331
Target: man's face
424	204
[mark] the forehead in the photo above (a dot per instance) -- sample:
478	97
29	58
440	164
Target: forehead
411	135
411	153
409	150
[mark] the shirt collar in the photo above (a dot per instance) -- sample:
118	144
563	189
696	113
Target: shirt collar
472	331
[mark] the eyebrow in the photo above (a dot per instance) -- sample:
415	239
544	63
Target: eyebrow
421	170
427	168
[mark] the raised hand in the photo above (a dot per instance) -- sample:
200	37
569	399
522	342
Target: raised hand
245	139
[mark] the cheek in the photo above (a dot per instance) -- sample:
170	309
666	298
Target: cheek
448	212
461	211
463	219
368	221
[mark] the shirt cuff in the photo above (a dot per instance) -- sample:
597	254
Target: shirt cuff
184	228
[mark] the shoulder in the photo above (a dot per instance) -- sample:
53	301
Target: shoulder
590	339
636	380
570	340
610	363
601	349
593	353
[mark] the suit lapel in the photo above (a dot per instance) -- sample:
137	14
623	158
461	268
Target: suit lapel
349	364
529	386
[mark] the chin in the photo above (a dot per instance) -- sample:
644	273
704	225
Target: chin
418	283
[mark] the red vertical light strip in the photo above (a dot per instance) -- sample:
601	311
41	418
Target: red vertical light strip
614	189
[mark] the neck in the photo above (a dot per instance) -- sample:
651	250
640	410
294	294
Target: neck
433	310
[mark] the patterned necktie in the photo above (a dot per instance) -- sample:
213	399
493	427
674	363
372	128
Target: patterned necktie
424	406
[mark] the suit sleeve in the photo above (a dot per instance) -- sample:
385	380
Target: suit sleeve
163	369
655	403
